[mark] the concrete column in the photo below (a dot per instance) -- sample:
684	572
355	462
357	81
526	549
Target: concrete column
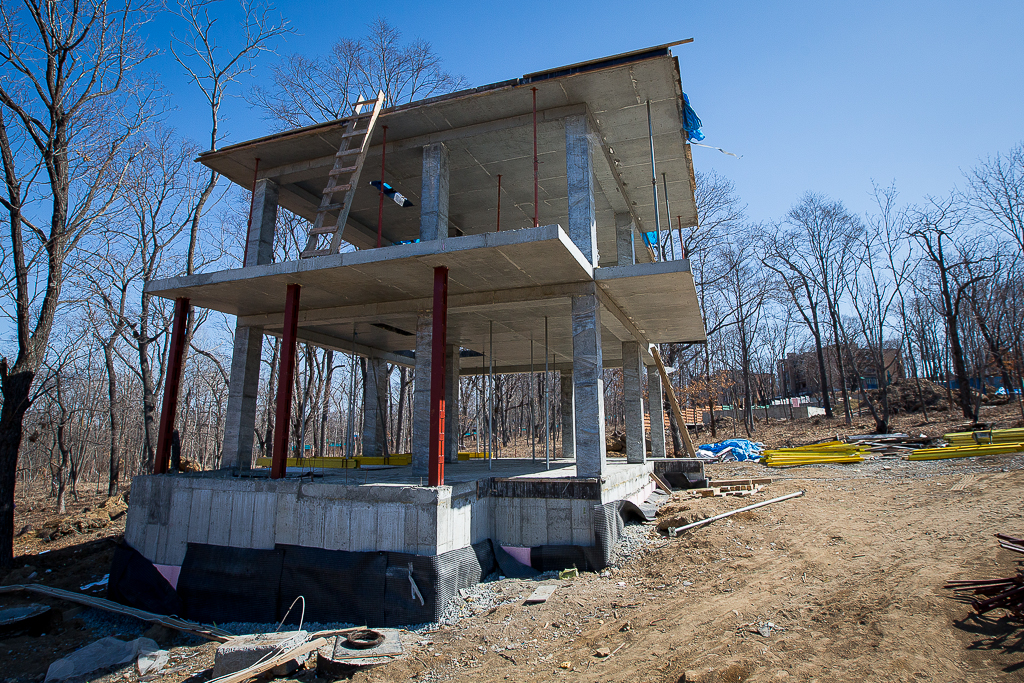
421	395
568	418
451	403
579	170
244	379
656	410
588	385
632	368
434	197
624	255
243	389
375	406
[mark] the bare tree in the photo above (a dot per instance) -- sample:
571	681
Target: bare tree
937	229
68	107
312	90
995	193
214	69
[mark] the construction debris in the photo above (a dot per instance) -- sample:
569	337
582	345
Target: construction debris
1005	594
201	630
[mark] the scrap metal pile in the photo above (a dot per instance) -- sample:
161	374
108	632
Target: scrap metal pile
1005	593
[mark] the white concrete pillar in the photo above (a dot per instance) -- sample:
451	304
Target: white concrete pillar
375	407
451	403
579	170
421	395
568	416
588	385
632	368
656	411
624	255
434	197
244	378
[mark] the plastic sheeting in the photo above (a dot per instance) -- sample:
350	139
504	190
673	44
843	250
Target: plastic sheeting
741	449
104	654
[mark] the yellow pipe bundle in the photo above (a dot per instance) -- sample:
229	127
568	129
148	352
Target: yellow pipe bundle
830	453
985	437
964	451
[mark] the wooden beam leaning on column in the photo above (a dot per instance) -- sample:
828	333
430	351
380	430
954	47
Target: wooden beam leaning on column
667	385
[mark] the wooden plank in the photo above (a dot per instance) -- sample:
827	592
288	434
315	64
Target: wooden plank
662	484
540	595
666	385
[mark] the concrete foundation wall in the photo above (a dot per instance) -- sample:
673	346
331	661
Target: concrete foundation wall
169	511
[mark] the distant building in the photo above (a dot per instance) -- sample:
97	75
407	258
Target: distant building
799	374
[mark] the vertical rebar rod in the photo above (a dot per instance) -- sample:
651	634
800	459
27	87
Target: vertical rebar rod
536	165
490	408
547	403
654	179
380	209
533	418
668	218
679	229
498	222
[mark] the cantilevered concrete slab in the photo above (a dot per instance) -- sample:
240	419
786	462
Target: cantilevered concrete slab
508	281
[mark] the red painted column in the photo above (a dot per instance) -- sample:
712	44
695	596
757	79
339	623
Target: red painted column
439	339
285	377
172	384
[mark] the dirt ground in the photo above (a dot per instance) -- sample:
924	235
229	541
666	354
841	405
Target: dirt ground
842	584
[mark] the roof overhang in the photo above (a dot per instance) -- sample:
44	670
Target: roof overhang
489	132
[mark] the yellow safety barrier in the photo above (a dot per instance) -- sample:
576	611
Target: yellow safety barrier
470	455
396	459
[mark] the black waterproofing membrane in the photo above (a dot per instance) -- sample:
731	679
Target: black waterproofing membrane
220	584
134	581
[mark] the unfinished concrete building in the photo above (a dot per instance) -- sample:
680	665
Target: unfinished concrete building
532	198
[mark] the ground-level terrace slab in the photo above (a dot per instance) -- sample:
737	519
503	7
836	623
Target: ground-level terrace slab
502	288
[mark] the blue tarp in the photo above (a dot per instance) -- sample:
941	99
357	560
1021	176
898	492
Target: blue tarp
691	122
742	449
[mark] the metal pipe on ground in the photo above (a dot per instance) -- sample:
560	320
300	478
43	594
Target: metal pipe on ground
675	531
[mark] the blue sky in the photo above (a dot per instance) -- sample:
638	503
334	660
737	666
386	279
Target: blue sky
824	96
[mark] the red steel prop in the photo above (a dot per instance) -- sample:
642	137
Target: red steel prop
175	363
285	375
439	339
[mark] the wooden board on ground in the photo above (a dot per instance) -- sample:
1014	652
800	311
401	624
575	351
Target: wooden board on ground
541	594
662	484
742	482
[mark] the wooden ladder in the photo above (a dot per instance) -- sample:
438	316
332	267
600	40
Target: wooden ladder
323	238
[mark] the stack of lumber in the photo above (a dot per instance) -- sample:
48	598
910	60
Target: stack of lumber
972	444
730	487
815	454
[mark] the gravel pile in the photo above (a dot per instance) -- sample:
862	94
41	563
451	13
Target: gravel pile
635	539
